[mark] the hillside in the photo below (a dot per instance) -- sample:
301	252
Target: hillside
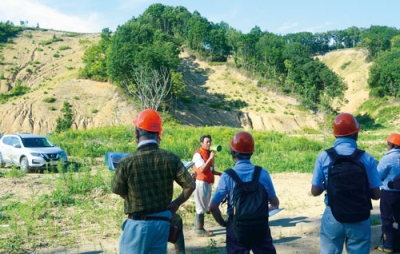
51	74
355	75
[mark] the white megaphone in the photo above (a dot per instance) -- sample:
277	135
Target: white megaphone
216	148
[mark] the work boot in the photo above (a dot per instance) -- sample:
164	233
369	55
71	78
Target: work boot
382	248
180	244
200	231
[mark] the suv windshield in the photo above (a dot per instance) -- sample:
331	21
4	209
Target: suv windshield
36	142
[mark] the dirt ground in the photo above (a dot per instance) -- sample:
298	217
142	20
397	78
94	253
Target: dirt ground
294	230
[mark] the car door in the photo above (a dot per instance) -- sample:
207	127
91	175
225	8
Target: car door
14	152
6	149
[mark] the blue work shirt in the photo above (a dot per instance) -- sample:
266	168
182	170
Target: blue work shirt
345	146
389	167
244	169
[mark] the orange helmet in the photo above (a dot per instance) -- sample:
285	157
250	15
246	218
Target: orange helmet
345	124
394	138
242	142
148	120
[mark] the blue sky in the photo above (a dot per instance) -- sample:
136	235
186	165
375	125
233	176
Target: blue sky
279	17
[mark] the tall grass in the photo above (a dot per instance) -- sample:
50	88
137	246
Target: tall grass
278	152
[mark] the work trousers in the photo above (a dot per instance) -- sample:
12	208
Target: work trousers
264	246
202	196
390	212
145	236
334	235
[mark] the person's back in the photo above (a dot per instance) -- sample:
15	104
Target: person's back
389	171
150	174
242	147
250	206
144	179
334	234
348	188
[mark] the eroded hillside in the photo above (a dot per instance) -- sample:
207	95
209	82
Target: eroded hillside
219	95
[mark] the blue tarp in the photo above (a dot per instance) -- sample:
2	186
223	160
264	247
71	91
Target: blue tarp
112	159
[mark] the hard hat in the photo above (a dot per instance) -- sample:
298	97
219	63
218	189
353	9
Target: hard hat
242	142
345	124
148	120
394	138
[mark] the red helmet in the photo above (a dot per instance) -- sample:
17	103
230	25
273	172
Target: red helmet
242	142
148	120
394	138
345	124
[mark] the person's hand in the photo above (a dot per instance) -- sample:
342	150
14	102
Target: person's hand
212	155
225	224
173	207
272	207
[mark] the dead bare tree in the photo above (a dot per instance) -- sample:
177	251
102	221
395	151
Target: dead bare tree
152	87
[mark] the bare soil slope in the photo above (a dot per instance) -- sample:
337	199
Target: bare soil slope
51	70
350	64
214	87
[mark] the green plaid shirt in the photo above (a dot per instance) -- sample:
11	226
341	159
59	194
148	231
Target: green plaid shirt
146	178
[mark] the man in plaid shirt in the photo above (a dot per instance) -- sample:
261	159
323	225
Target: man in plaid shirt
144	179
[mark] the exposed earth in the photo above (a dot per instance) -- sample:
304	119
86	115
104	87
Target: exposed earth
51	70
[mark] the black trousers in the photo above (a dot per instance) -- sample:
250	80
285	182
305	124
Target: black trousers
390	212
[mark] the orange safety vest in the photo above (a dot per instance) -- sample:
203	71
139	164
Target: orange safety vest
207	175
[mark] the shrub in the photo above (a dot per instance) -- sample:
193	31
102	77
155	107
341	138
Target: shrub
64	47
49	99
66	121
345	65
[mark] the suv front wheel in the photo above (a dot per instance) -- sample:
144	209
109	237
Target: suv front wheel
24	164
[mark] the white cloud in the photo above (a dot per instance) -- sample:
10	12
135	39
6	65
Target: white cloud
36	13
324	27
285	27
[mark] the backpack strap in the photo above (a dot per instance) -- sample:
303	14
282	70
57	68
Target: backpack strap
256	174
332	153
234	176
357	154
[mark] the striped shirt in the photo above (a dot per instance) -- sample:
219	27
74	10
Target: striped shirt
146	178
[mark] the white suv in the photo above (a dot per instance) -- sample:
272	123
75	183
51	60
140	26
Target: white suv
30	151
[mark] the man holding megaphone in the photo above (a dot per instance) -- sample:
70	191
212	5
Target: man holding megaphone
204	174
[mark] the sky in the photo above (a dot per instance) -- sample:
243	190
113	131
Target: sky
279	17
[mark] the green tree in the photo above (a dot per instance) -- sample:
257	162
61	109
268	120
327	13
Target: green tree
95	58
377	39
269	55
217	42
384	78
64	123
198	32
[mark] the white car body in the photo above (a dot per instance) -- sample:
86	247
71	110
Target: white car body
30	151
